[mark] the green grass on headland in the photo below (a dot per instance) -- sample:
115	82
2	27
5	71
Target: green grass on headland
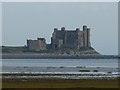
24	49
22	52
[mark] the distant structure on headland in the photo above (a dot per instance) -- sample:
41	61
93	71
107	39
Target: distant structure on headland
63	39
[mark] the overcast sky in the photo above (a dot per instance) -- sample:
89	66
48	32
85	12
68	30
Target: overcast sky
30	20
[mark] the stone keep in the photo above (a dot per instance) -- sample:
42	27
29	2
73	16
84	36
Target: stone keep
71	39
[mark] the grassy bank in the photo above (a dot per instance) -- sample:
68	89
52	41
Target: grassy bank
59	83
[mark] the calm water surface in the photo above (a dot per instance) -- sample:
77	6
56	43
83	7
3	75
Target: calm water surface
61	66
112	63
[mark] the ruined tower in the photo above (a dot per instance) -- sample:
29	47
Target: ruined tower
86	36
36	45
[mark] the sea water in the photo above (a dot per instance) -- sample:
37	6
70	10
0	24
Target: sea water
113	63
101	67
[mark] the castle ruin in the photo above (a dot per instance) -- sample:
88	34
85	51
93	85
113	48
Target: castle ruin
63	39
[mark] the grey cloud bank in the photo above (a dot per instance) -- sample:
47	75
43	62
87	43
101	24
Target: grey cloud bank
23	21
